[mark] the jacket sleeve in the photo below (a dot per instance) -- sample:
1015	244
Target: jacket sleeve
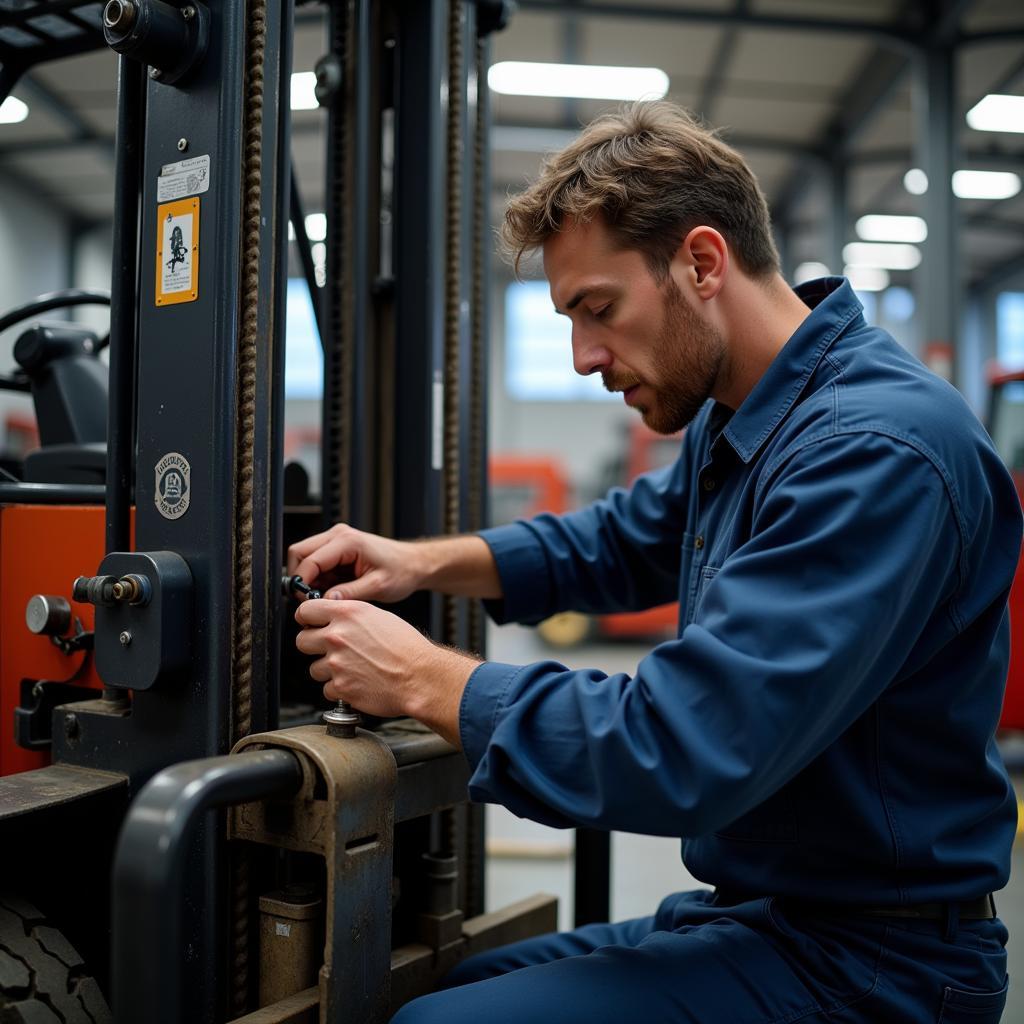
618	554
854	545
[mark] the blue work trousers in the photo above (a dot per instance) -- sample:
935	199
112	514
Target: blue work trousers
758	962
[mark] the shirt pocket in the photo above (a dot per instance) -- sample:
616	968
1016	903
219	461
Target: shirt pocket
960	1006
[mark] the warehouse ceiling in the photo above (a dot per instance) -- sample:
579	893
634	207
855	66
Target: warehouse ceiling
796	85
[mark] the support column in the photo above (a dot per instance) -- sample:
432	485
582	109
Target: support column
938	279
838	211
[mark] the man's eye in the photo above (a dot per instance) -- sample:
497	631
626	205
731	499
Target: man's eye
602	313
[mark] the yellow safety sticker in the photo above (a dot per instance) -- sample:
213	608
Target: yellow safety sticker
177	252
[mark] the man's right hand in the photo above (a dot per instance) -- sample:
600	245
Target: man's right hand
382	569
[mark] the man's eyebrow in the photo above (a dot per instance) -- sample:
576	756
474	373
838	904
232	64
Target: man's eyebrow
581	295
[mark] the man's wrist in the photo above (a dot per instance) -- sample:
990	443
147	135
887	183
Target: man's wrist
437	700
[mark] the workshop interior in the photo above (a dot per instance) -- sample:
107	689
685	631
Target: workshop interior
249	288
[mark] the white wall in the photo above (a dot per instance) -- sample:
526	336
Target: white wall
33	260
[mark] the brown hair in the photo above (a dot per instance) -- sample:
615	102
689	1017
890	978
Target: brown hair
653	173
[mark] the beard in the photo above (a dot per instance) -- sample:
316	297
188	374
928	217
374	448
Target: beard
687	355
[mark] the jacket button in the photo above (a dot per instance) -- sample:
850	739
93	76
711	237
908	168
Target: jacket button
699	542
709	483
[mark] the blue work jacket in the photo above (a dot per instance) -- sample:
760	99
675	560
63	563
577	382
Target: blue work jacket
841	547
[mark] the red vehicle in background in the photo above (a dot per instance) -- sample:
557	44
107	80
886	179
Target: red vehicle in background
1006	424
523	486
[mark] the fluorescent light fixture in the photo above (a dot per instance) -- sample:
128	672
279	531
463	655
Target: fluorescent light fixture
883	255
580	81
915	181
316	227
303	94
867	279
985	184
877	227
997	113
809	271
12	110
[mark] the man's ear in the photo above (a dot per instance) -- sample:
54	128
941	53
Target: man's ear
703	259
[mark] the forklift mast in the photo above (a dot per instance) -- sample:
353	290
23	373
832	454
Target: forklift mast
194	816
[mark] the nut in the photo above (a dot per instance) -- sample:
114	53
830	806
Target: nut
125	638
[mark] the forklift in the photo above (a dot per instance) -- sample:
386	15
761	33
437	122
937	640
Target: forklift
185	835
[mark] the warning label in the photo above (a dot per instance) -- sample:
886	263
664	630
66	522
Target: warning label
177	259
185	178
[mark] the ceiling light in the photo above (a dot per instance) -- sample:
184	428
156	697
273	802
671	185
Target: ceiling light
997	113
580	81
915	181
885	255
877	227
867	279
303	91
316	227
985	184
12	110
809	271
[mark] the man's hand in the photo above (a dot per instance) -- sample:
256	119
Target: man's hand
385	570
382	665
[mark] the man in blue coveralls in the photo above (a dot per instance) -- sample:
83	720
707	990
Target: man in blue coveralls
841	537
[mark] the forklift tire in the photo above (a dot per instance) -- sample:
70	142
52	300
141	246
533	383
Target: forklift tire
43	980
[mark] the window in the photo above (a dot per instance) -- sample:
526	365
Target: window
304	360
1010	330
538	350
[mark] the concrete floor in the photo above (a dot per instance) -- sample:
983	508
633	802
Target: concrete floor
526	858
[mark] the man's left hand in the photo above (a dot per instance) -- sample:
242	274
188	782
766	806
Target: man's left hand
382	665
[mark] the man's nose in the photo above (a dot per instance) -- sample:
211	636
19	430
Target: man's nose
588	356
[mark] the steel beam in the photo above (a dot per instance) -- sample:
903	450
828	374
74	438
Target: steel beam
893	36
938	277
720	61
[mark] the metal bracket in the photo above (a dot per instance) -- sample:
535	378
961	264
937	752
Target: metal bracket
343	811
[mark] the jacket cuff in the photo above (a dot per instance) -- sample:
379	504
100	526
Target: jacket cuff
523	570
482	700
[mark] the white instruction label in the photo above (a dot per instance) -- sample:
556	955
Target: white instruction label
185	178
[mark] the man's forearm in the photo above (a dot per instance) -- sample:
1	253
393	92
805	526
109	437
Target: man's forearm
462	566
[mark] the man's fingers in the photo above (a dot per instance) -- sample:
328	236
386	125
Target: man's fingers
311	641
363	588
322	612
321	672
337	551
300	549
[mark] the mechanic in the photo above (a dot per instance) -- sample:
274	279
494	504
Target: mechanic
841	537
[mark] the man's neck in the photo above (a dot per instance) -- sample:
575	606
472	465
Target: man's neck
760	317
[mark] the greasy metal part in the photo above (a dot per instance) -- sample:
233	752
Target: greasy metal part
453	300
417	968
48	615
123	348
342	720
291	942
133	588
296	585
344	812
149	879
245	458
53	786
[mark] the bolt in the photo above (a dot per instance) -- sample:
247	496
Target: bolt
188	13
342	720
125	638
156	74
182	145
71	725
119	15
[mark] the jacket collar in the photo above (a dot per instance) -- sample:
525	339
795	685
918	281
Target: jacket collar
834	307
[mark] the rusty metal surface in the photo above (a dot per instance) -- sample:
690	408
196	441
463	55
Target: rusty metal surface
297	1009
416	968
344	811
291	943
53	786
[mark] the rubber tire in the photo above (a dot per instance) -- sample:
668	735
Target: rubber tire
43	980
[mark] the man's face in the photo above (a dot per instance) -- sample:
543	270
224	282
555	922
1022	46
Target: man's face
641	335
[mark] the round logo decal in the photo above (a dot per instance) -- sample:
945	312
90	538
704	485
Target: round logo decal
173	485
